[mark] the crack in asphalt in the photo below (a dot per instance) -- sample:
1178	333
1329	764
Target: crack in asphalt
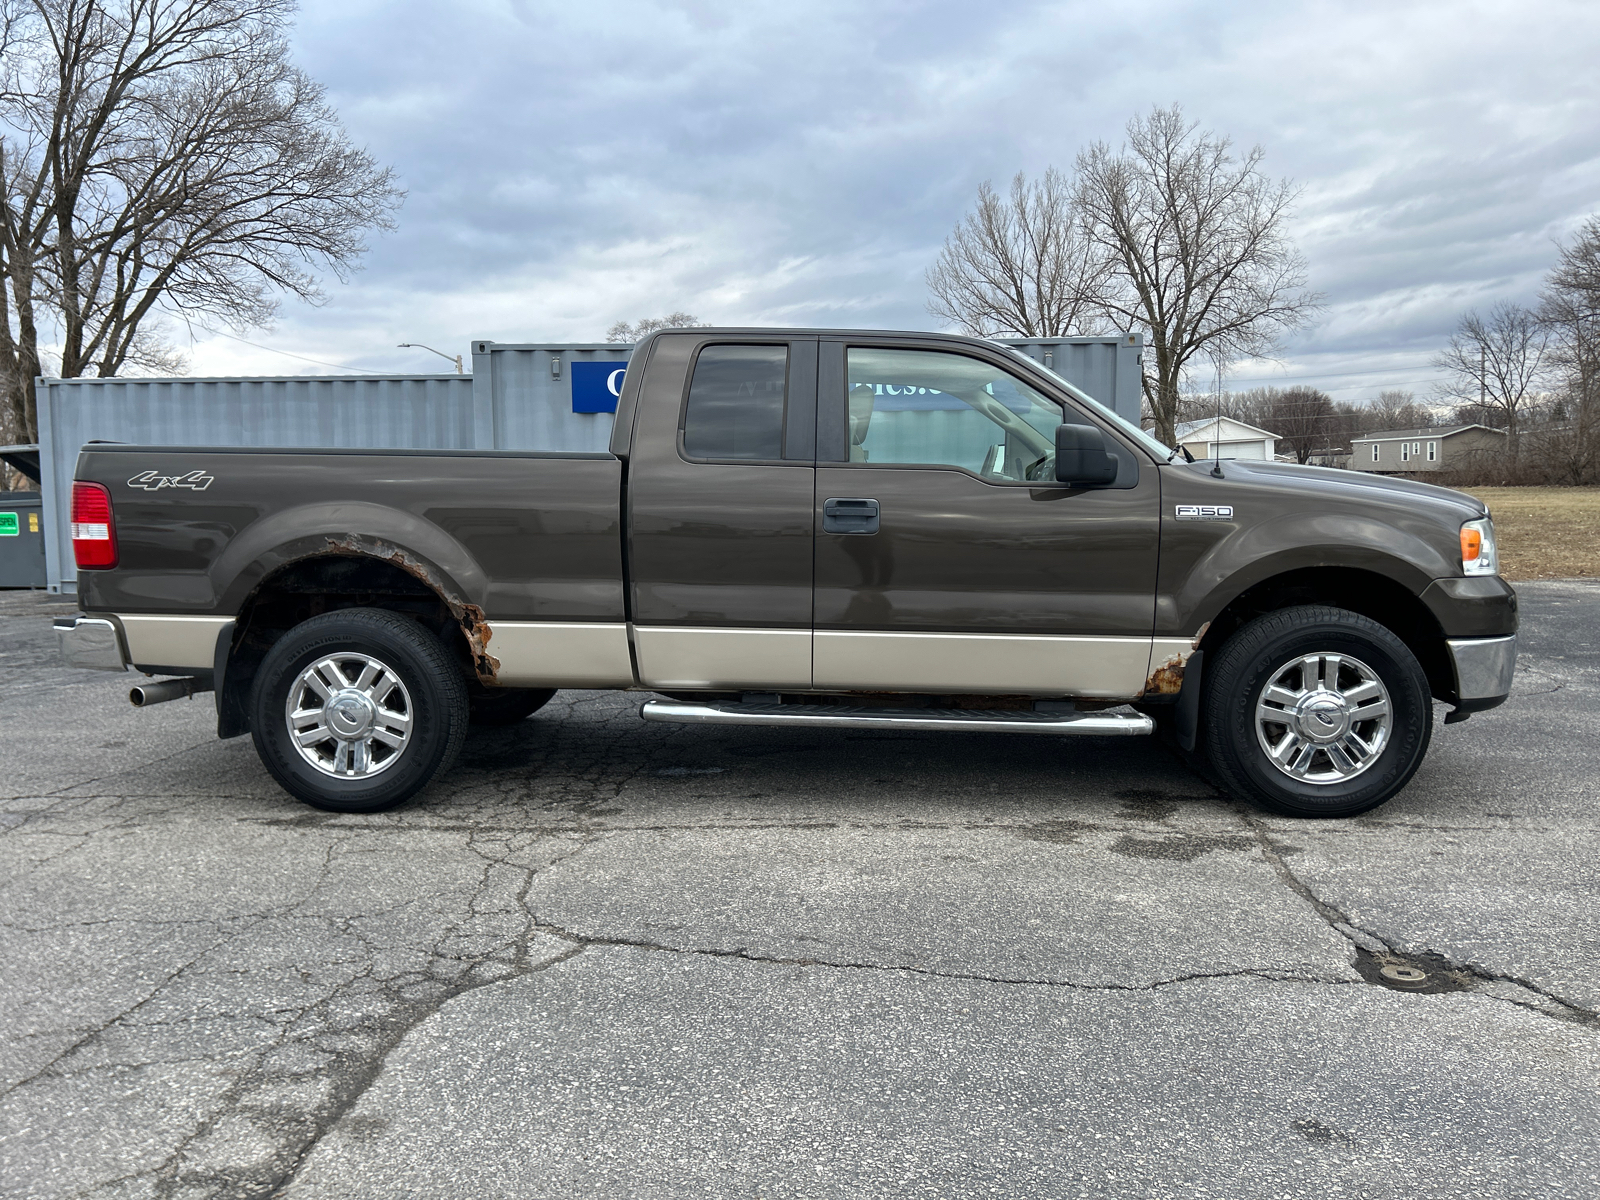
96	1030
354	1083
579	944
1371	943
142	764
463	951
585	941
351	1074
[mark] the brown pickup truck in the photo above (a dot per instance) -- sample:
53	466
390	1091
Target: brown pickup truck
802	527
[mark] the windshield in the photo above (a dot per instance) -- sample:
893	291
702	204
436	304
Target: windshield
1160	450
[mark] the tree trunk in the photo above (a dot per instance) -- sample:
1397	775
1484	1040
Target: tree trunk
19	358
1163	392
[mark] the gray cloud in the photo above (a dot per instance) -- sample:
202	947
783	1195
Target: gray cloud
572	164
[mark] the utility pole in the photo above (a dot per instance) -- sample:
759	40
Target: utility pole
431	350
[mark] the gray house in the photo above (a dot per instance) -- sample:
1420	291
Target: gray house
1414	451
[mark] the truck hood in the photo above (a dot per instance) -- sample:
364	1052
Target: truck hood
1447	504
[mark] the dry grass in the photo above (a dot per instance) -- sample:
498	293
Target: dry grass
1545	532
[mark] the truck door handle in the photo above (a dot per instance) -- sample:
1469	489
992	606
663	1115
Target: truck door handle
849	516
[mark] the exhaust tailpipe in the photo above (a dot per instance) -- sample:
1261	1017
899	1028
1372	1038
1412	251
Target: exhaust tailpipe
163	690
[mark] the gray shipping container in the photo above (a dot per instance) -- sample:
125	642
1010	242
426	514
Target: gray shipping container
518	397
1107	367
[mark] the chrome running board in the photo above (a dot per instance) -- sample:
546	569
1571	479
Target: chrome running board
839	716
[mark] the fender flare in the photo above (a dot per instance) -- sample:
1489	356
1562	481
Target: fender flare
416	546
1296	542
376	530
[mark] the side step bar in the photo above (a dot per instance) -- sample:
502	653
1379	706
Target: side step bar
838	716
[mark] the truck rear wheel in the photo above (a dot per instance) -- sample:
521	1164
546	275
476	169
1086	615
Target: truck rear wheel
1316	712
358	710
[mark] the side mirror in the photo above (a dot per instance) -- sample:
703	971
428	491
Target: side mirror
1081	456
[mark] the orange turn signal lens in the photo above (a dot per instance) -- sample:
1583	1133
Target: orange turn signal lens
1471	545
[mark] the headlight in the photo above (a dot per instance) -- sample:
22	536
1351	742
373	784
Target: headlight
1477	548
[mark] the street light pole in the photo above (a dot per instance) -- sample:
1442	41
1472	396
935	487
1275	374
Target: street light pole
431	350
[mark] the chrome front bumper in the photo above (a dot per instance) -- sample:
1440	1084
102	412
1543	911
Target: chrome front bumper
1484	666
92	642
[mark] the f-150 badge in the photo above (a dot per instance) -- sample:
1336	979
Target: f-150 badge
1205	512
197	481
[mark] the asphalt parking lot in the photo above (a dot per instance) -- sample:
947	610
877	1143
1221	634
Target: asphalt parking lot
605	958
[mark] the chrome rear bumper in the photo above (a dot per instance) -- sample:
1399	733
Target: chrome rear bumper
92	642
1484	667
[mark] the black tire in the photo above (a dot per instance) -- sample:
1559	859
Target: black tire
1237	675
432	698
505	706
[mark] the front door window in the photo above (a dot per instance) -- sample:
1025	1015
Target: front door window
927	408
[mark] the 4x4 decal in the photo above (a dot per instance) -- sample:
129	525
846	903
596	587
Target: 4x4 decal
197	481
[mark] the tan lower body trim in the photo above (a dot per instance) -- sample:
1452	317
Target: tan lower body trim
1102	668
188	643
561	654
676	656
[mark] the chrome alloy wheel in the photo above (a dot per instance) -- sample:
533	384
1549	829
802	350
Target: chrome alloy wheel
1323	718
349	715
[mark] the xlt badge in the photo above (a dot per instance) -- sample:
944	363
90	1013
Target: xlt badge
1205	512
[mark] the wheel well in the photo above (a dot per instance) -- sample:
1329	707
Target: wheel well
310	587
1375	596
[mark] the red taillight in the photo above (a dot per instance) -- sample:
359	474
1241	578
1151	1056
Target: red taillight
94	536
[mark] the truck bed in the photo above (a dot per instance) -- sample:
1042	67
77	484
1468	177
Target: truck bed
523	535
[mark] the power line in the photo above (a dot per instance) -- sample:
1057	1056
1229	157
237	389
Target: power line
1397	383
1318	375
287	354
1402	383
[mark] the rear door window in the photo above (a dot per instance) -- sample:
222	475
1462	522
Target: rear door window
735	408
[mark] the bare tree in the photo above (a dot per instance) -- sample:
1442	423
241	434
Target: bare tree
1255	406
1501	358
1392	410
1018	264
1397	409
1301	417
1195	250
1570	309
623	332
162	156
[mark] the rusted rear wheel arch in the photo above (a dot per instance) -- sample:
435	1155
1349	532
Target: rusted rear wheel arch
353	573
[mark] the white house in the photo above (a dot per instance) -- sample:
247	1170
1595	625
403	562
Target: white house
1235	440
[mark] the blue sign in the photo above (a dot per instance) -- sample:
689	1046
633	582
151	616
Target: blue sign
596	385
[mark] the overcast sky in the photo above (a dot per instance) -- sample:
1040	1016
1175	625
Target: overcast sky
572	164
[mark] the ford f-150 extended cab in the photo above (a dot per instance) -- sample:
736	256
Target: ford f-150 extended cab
802	527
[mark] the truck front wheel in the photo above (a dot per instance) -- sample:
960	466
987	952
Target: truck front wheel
1316	712
358	710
